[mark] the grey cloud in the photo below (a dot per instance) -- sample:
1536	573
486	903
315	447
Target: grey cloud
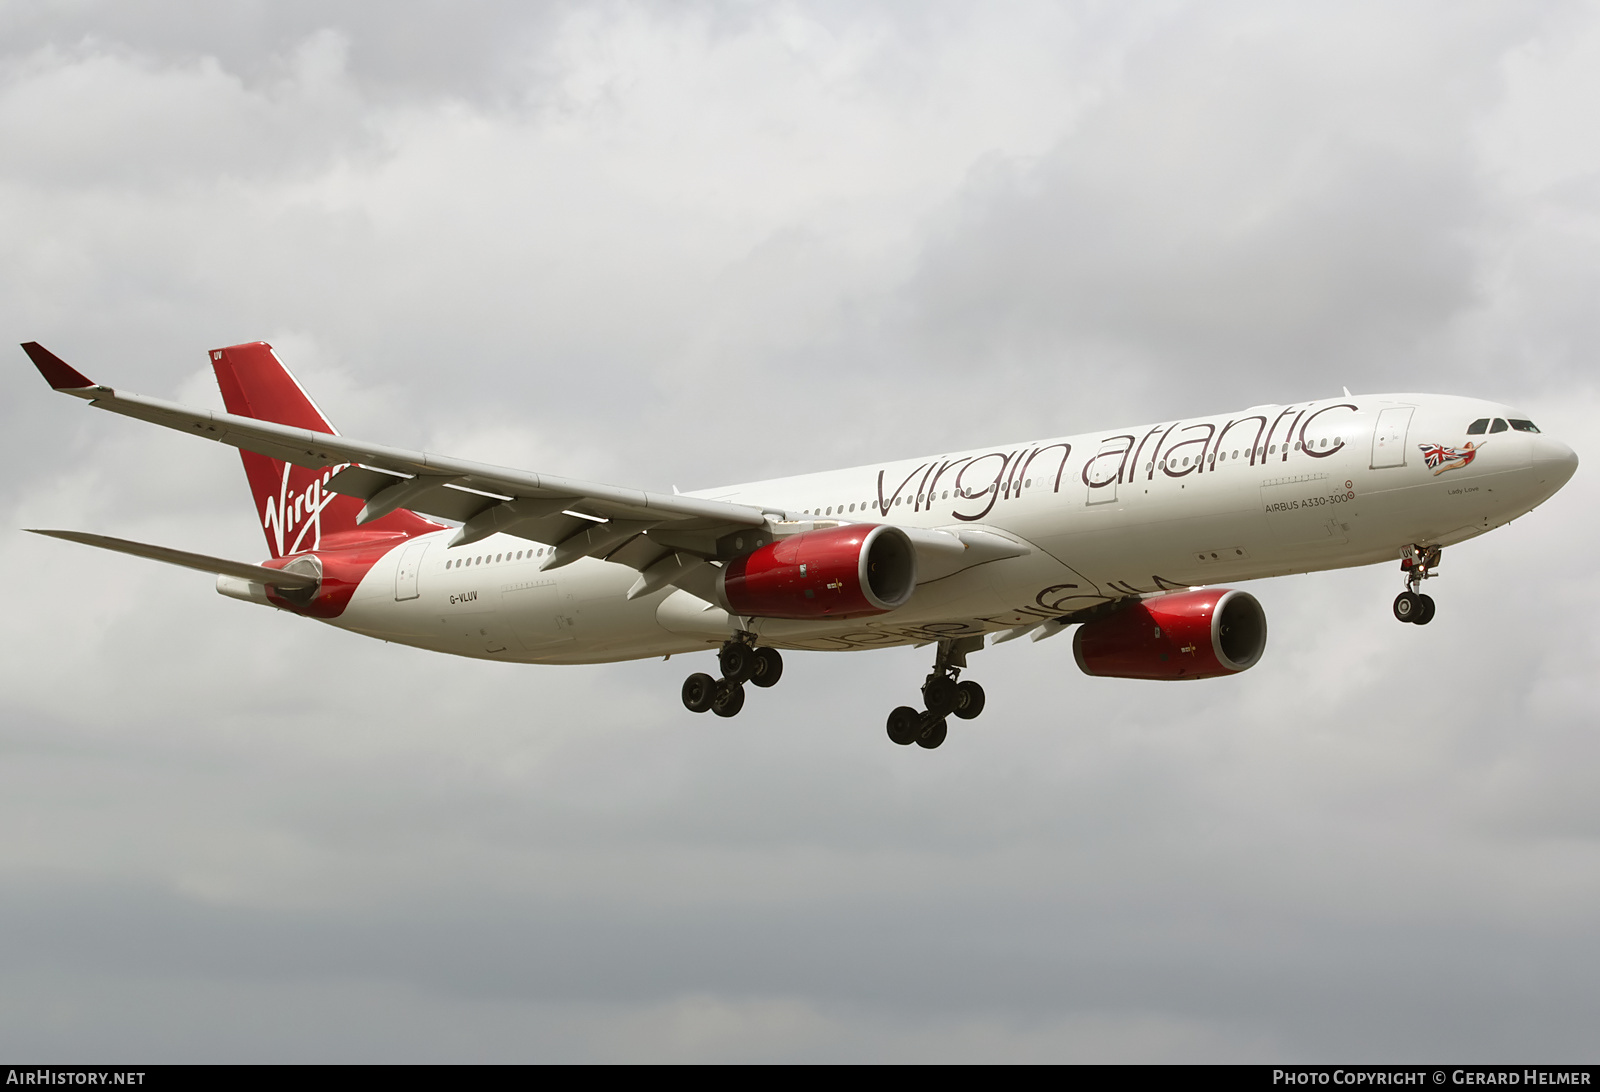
1266	196
409	50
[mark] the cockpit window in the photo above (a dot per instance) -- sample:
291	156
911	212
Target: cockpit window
1478	427
1524	426
1499	425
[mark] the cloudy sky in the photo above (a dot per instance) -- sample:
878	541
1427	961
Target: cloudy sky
703	243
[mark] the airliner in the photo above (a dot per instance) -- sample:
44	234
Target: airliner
1124	534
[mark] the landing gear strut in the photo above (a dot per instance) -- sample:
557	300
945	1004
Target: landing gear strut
942	695
1417	563
740	661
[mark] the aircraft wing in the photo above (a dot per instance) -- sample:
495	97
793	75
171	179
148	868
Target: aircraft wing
580	518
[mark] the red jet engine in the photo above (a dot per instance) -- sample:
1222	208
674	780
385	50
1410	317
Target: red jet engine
837	572
1182	635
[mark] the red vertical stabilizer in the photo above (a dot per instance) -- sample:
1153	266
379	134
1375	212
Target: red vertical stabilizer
296	510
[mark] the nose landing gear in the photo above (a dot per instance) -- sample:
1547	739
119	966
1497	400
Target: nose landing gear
740	661
1417	563
943	695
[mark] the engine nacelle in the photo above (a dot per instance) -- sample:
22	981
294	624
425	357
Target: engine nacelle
838	572
1183	635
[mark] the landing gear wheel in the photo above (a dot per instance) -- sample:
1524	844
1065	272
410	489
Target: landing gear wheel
934	729
1417	564
1407	606
940	694
904	724
768	667
699	690
969	700
737	661
729	699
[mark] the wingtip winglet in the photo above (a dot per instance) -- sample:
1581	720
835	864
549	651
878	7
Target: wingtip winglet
57	372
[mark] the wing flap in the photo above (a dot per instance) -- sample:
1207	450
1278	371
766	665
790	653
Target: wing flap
595	540
364	482
639	553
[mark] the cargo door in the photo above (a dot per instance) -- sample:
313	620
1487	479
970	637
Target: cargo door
1106	471
407	571
533	611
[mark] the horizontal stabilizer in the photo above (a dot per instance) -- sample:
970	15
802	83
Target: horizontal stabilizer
258	574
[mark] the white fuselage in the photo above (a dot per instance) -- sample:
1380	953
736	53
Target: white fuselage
1098	516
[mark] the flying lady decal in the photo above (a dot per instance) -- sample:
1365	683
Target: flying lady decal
1440	458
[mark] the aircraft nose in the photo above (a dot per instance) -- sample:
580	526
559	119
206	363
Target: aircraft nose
1553	462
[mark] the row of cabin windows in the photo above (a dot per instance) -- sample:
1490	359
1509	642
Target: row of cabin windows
1261	453
925	498
490	559
1499	424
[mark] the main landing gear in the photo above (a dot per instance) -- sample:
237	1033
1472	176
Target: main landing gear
1417	562
942	695
741	662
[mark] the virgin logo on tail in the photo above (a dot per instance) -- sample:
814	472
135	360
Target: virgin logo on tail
289	510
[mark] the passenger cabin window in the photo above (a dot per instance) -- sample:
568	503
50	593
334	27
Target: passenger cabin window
1478	427
1498	426
1524	426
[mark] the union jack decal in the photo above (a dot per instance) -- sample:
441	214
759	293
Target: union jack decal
1440	458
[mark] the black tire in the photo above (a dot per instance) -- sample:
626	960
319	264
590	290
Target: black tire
904	724
969	700
939	694
737	661
729	699
768	667
699	690
1407	605
1425	615
934	729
